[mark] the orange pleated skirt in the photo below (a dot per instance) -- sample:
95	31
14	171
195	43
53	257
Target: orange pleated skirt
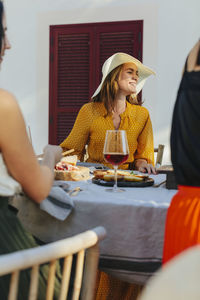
182	229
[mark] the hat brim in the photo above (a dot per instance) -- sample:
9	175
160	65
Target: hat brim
118	59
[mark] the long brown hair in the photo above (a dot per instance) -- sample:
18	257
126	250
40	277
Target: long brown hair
109	91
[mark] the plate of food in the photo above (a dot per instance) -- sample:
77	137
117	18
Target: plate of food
67	170
124	178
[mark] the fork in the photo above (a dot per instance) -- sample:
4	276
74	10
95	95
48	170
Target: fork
159	184
75	191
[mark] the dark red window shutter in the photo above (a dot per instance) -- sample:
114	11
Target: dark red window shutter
118	37
77	53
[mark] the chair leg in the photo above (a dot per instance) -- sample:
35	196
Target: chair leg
90	273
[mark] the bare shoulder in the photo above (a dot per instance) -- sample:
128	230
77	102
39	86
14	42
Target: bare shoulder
7	101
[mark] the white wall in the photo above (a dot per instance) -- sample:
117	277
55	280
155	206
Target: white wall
170	30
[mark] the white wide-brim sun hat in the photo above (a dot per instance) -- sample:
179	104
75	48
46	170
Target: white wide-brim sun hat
118	59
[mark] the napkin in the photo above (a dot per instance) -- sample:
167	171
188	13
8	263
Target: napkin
58	203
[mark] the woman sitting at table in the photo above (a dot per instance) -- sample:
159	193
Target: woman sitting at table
183	218
19	170
115	106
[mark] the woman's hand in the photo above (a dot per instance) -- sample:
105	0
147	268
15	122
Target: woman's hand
55	150
141	165
52	155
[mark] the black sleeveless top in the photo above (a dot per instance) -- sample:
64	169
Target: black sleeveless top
185	132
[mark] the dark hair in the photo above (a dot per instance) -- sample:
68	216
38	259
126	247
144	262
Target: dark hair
109	91
1	23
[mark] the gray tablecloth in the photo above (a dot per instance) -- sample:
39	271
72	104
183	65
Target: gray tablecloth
134	221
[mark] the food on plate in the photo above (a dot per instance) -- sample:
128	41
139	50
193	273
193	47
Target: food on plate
108	175
133	178
71	159
67	163
66	169
101	174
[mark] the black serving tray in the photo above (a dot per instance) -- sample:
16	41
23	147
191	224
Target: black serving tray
145	183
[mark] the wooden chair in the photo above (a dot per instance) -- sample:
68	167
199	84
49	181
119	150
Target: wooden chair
176	280
86	265
159	156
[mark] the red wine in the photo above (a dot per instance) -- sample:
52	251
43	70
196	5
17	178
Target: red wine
116	159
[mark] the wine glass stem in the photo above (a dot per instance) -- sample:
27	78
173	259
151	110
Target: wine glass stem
115	175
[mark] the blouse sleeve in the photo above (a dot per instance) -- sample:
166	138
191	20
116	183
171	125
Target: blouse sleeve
145	148
78	137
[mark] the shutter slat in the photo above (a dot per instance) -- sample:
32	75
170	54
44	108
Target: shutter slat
113	42
73	70
65	122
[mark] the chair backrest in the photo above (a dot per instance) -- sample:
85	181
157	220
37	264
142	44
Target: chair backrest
86	265
159	156
86	153
178	279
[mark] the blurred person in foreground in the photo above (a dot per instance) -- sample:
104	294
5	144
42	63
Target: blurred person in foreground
183	218
20	171
115	106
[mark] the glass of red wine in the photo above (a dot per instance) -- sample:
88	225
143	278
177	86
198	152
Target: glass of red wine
116	152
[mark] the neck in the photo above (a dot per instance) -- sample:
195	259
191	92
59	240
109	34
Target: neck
120	105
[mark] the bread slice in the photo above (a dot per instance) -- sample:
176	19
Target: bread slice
71	159
110	177
100	174
131	177
83	173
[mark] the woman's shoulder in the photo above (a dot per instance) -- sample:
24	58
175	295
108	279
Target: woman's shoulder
138	108
8	106
5	93
87	105
7	99
91	104
93	107
138	113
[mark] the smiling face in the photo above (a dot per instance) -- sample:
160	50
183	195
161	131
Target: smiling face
128	79
5	42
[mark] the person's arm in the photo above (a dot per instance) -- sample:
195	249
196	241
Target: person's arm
78	137
18	153
144	156
192	58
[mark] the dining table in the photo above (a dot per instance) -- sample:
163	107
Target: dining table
134	220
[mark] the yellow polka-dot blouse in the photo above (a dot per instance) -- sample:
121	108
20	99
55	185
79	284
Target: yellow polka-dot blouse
91	125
